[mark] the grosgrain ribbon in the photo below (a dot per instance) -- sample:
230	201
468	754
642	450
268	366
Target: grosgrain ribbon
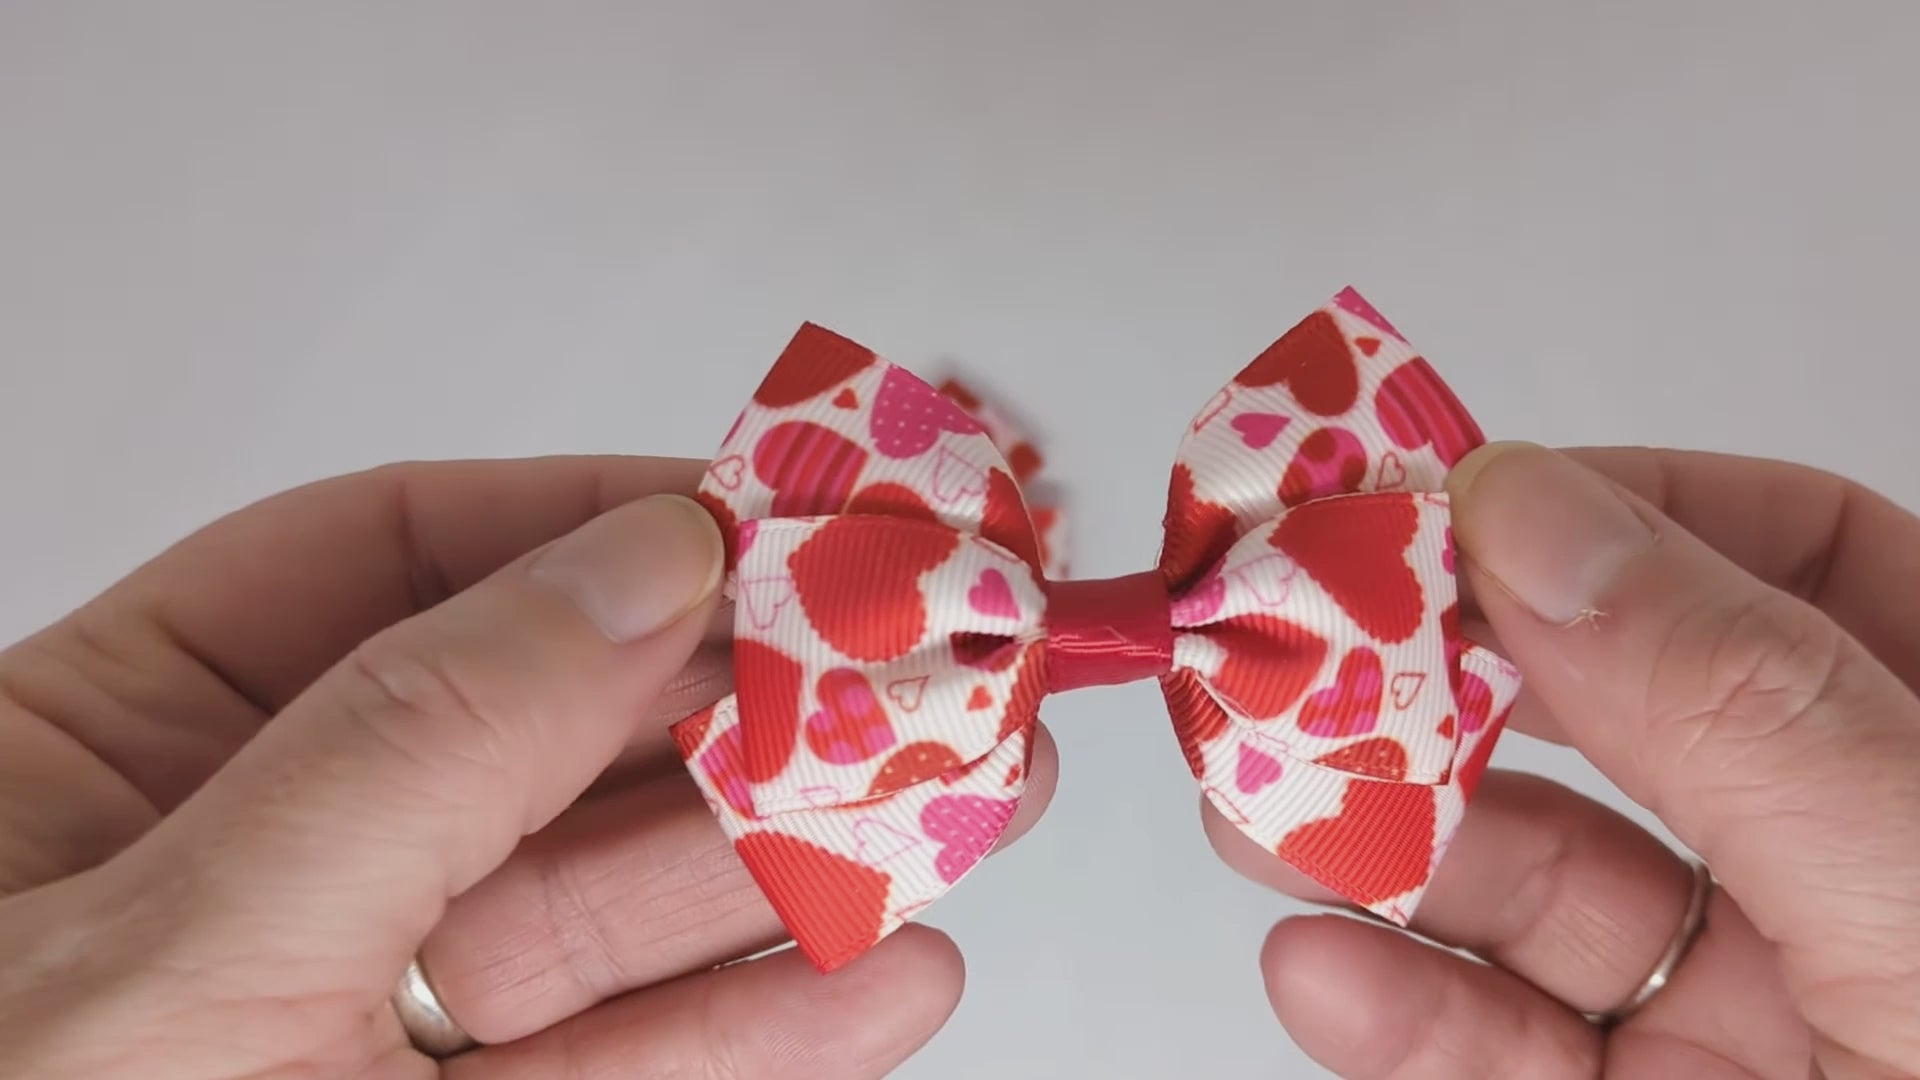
899	615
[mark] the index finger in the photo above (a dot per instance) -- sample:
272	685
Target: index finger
1760	732
272	595
202	645
1824	538
1809	533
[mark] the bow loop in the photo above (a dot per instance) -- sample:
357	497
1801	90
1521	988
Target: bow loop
895	628
1331	628
885	652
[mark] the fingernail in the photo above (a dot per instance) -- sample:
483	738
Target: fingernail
1554	533
639	568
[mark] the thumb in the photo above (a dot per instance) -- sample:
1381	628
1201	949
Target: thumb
1765	737
413	767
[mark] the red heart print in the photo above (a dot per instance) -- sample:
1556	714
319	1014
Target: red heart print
891	500
1254	770
966	827
1380	757
1356	549
815	361
1379	847
1393	473
846	399
1331	461
878	842
1351	706
979	699
723	765
1044	520
912	764
1445	729
1313	361
850	725
729	525
1367	345
728	471
1023	701
1354	304
833	906
858	579
908	416
992	596
1406	686
961	395
811	469
691	731
1198	532
1270	662
1214	407
1005	520
955	478
1198	719
1475	699
1416	408
762	598
767	683
1024	460
1258	430
907	693
1471	769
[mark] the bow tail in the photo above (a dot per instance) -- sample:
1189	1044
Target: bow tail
1373	840
842	877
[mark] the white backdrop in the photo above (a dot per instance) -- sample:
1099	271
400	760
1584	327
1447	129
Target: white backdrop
246	245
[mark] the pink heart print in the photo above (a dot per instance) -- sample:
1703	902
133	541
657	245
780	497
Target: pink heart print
1254	770
1351	706
1258	430
1329	462
992	596
966	827
908	416
851	725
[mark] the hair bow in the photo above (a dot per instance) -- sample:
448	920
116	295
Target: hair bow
898	618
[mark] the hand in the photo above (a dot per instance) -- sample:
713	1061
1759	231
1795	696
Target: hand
240	790
1736	644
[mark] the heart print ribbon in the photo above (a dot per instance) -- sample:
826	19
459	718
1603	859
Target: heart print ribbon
899	615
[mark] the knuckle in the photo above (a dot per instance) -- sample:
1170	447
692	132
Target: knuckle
421	703
571	922
1738	689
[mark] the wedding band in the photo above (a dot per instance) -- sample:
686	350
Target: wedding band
1691	924
427	1024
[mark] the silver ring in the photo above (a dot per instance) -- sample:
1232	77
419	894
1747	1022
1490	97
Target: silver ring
428	1027
1691	923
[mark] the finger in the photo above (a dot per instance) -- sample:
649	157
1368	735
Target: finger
195	650
357	553
1581	903
1369	1002
619	893
412	768
1766	738
1723	1007
1555	887
1818	536
770	1019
